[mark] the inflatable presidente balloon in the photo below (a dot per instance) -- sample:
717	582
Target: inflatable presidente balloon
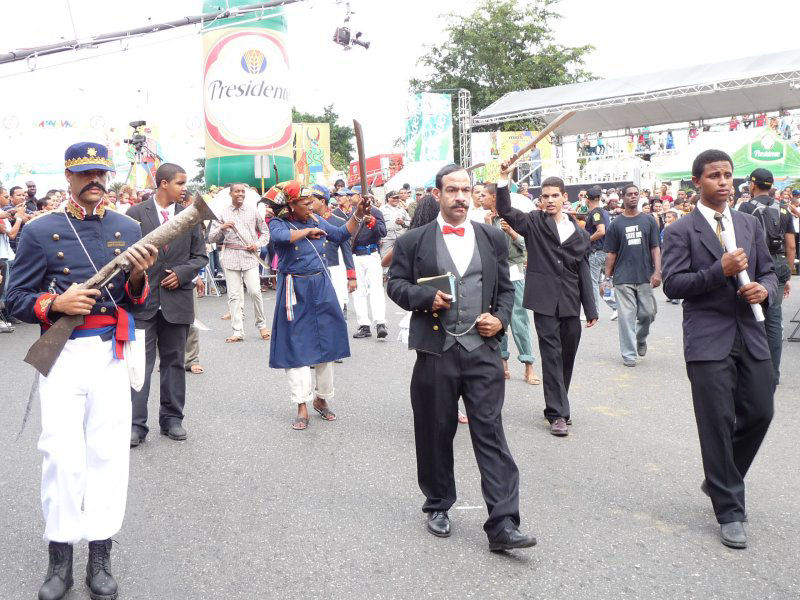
247	98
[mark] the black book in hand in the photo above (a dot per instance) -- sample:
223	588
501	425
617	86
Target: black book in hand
445	283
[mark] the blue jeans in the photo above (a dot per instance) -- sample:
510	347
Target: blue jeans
597	267
637	310
520	328
773	323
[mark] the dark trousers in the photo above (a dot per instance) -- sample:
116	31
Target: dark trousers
170	339
733	406
558	344
436	384
773	323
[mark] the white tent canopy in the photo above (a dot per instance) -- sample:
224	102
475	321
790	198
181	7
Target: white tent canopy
757	84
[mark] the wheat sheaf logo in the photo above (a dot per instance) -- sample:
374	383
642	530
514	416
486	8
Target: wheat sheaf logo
254	62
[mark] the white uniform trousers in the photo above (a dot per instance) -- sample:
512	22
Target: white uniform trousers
302	387
369	276
339	280
86	428
236	281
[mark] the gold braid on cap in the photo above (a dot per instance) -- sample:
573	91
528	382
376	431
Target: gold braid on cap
88	160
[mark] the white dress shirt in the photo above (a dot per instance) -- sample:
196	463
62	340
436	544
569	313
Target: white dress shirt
461	248
170	211
565	228
708	215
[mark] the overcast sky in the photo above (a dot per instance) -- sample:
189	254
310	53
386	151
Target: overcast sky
159	78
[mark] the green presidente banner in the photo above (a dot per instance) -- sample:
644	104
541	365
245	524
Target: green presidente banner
429	127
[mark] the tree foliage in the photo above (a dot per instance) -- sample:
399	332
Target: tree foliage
341	136
502	46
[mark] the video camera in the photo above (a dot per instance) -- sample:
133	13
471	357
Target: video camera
138	139
343	37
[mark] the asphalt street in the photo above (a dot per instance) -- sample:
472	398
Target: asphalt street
248	508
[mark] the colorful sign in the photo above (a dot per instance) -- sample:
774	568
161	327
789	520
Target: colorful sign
312	150
248	108
493	147
429	127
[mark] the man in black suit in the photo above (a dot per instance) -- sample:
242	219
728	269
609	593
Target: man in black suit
170	306
457	339
557	282
725	348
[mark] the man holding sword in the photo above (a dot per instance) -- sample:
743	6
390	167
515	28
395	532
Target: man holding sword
725	346
241	233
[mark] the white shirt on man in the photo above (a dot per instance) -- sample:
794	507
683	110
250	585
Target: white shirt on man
461	248
170	211
708	215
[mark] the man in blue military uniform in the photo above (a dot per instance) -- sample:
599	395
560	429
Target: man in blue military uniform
343	276
85	398
369	273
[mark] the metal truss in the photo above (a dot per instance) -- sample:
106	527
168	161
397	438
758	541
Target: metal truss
792	77
465	127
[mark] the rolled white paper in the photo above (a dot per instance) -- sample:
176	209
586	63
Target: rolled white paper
743	278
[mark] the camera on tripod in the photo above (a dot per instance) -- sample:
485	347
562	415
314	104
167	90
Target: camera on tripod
138	139
343	37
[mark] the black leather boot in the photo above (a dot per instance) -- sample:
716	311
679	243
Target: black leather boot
59	572
102	585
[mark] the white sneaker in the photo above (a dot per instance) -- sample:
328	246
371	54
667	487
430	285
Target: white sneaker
614	316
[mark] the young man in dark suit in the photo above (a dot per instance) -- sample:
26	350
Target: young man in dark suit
725	348
170	306
457	340
557	282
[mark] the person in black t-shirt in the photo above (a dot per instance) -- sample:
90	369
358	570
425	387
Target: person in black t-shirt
779	231
634	260
597	222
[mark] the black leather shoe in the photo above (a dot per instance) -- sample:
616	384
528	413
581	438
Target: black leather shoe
439	523
136	438
363	332
380	328
732	535
511	538
174	432
102	585
559	427
59	572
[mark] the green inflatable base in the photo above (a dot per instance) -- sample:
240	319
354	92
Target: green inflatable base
241	169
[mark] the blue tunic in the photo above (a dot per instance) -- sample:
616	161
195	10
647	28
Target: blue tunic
50	259
317	332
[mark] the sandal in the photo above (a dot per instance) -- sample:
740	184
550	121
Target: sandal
300	423
325	413
226	317
233	339
265	333
462	418
197	369
533	380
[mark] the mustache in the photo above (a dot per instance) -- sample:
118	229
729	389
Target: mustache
93	184
460	205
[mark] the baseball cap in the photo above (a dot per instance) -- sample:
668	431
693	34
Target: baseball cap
762	178
594	192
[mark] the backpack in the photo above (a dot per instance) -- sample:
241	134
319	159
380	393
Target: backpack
770	219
